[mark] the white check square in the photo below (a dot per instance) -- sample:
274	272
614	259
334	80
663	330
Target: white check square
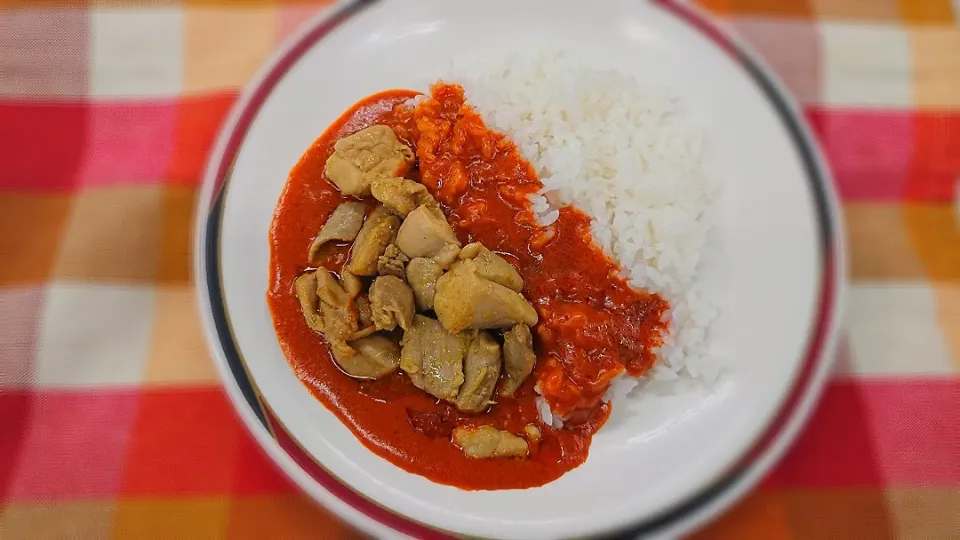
94	335
867	64
894	330
136	51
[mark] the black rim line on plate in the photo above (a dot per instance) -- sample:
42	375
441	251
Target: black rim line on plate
760	76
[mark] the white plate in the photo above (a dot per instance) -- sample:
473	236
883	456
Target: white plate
657	469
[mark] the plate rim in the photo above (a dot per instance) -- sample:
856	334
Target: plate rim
366	514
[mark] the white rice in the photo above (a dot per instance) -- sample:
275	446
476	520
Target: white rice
624	153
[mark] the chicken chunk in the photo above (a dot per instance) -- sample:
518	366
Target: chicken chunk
328	307
492	266
362	333
364	311
433	357
401	195
422	274
424	232
392	262
339	325
489	442
377	233
374	356
481	368
330	290
351	284
306	288
446	256
370	154
391	301
342	225
465	300
518	358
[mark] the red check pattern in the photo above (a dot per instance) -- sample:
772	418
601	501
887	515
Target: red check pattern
113	424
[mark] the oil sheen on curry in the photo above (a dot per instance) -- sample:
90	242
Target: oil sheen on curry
414	292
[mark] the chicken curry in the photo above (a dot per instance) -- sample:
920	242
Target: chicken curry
415	293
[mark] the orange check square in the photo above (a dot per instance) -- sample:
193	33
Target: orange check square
857	10
924	511
178	352
782	8
182	518
57	519
112	234
32	229
284	516
178	204
926	11
948	315
933	230
761	516
936	66
879	243
226	44
838	513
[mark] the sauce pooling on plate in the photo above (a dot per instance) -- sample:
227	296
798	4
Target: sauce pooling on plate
592	327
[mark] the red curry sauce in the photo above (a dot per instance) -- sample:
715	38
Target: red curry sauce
592	327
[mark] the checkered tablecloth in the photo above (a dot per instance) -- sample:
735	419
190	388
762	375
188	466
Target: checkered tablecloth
113	424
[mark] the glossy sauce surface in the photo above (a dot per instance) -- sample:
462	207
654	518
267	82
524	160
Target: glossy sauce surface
592	327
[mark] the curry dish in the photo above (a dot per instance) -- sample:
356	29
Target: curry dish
415	293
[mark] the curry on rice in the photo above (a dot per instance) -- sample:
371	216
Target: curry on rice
414	291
